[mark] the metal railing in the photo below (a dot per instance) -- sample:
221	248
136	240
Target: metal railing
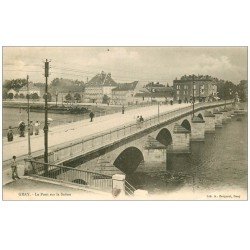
89	143
71	175
129	189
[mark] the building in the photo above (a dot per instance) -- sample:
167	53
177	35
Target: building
32	90
202	87
124	94
155	92
99	86
12	92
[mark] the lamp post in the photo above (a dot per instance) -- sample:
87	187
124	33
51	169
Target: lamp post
28	98
56	97
158	111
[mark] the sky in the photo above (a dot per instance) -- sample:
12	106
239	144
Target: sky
126	64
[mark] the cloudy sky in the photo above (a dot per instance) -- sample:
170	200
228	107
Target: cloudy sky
126	64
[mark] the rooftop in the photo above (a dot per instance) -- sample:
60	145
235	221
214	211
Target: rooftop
102	79
126	86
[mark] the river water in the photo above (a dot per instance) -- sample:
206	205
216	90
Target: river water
12	117
218	163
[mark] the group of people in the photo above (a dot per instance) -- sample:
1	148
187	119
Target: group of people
21	128
139	121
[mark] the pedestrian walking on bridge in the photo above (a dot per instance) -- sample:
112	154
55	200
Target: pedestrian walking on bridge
21	128
37	124
91	115
14	168
10	134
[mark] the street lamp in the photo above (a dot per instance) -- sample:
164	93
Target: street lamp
193	97
158	111
56	97
28	98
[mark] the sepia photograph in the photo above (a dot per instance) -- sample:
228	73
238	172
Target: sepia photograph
124	123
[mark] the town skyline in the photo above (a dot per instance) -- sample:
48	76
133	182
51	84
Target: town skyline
126	64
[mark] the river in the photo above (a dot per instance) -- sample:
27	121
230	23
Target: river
218	163
12	117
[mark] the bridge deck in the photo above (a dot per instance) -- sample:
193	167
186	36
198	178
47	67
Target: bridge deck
62	134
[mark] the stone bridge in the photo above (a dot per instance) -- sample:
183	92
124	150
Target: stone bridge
149	142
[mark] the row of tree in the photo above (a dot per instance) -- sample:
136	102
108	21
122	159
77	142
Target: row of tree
228	90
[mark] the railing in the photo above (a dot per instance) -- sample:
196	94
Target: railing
105	138
129	189
71	175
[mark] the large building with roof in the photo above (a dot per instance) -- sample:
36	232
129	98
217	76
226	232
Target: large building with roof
155	93
124	93
204	88
99	86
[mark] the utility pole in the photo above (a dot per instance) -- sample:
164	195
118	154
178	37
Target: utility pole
56	97
158	112
28	97
193	97
46	74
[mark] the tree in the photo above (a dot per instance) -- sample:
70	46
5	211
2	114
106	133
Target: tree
21	95
5	93
242	90
105	99
10	96
77	97
68	97
49	97
34	96
15	84
16	96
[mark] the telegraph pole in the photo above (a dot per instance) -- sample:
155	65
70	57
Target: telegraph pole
158	112
193	97
46	74
28	97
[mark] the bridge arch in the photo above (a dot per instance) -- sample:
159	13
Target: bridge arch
200	116
129	160
186	124
164	137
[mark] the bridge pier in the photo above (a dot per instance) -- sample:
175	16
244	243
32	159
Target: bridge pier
209	122
198	129
224	115
218	118
181	140
154	151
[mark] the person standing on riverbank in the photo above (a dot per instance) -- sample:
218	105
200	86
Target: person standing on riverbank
37	124
123	109
10	134
14	168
